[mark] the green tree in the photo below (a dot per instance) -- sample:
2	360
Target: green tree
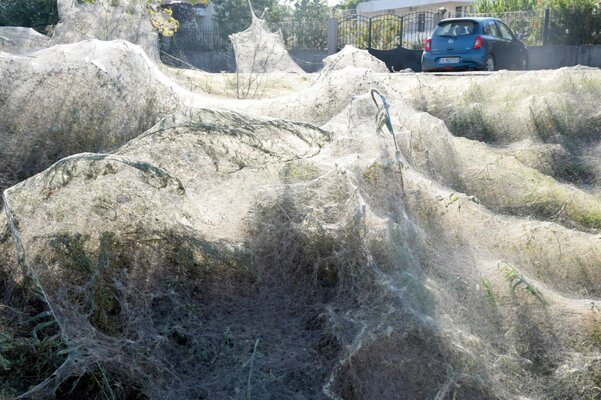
161	18
497	6
36	14
385	34
348	5
234	15
311	10
574	22
308	27
571	21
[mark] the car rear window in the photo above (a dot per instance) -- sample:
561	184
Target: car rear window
455	28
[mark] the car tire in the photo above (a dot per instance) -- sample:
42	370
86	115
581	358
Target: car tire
490	63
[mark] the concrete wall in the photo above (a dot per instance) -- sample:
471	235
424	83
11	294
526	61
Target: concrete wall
213	61
224	60
400	7
549	57
309	60
541	57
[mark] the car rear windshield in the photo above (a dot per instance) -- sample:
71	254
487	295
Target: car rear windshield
455	28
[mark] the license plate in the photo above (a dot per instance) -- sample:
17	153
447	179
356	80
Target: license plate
449	60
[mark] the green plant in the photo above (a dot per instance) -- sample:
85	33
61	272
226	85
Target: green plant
30	341
472	122
235	15
516	280
572	22
488	6
490	294
347	5
162	19
590	219
95	274
299	171
25	361
595	334
564	123
36	14
374	173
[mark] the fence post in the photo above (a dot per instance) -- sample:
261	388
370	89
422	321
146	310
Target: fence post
546	27
332	36
401	32
369	34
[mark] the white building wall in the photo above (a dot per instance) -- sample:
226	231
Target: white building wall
401	7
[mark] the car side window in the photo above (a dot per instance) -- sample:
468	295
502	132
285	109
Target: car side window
491	29
505	32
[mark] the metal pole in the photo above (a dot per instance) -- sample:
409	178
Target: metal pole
332	36
369	35
401	33
546	27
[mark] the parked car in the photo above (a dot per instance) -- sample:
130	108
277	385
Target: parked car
473	44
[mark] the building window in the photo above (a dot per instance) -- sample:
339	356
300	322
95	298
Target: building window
458	12
421	22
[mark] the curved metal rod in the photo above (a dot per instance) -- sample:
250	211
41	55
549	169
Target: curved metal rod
384	115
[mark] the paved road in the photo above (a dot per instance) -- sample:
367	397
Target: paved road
468	73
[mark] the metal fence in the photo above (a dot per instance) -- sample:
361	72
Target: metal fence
303	34
386	31
529	26
196	38
389	31
570	26
297	35
353	30
574	26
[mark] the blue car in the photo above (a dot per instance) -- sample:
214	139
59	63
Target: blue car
473	44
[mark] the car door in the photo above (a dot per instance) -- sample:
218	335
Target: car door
516	49
492	38
506	57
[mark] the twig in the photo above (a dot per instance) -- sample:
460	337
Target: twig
250	371
182	61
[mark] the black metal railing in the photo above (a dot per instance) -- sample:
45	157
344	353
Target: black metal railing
297	35
386	31
529	26
196	38
569	26
389	31
353	30
303	34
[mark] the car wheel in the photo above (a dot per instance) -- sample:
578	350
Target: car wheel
490	63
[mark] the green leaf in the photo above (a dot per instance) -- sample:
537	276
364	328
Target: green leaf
40	327
67	351
4	363
41	315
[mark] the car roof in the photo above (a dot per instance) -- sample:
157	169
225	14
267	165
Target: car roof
476	19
